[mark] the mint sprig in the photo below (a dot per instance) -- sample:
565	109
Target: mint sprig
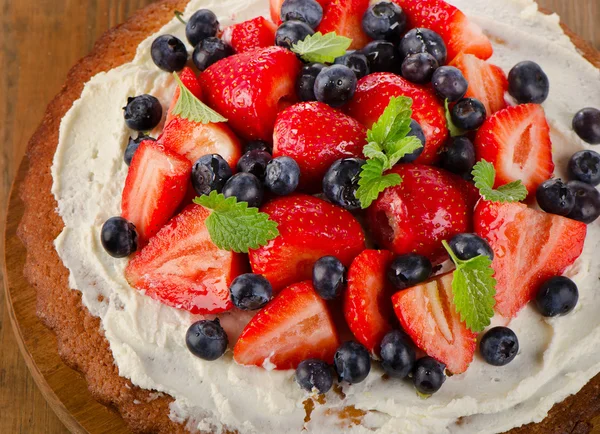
191	108
452	128
322	48
484	175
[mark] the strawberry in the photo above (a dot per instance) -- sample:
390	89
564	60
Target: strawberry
487	82
373	94
295	326
309	228
429	206
428	316
189	79
517	142
529	246
344	17
250	88
255	33
316	135
275	8
181	267
155	186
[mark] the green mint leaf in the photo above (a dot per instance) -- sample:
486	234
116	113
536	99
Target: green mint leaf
372	182
484	175
393	124
179	16
454	130
373	150
191	108
399	149
322	48
233	226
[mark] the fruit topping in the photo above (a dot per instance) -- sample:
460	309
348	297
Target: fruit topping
249	35
458	156
557	296
555	197
469	246
423	41
132	146
528	83
587	202
428	376
210	51
449	83
468	114
314	376
499	346
381	56
341	183
352	362
142	113
188	78
419	68
282	176
119	237
384	20
305	85
356	61
257	144
209	173
206	339
335	85
584	166
344	17
254	162
250	291
586	124
291	32
307	11
398	355
329	277
169	53
202	24
409	270
245	187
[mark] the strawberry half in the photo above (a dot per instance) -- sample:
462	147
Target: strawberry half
428	316
373	94
316	135
155	186
309	229
344	17
190	81
249	35
529	246
517	142
275	9
295	326
181	267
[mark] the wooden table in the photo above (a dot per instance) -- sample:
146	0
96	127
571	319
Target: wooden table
39	41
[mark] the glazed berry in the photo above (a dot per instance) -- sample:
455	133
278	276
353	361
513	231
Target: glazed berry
142	113
341	182
421	40
254	162
335	85
210	172
314	375
408	270
329	277
428	375
587	202
416	131
527	82
557	296
169	53
356	61
449	83
207	339
499	346
381	56
468	246
384	20
306	81
291	32
419	67
282	176
586	124
257	144
397	354
555	197
468	114
209	51
584	166
203	24
250	291
119	237
246	188
352	362
132	146
458	156
308	11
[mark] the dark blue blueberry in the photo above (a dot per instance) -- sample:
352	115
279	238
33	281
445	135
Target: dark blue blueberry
499	346
423	41
335	85
283	176
132	146
169	53
356	61
458	156
329	277
250	291
584	166
381	56
257	144
142	113
314	375
586	124
468	114
308	11
352	362
119	237
384	20
341	182
254	162
246	188
203	24
557	296
449	83
428	375
306	81
210	172
207	339
555	197
416	131
209	51
397	354
467	246
587	202
528	83
291	32
419	67
408	270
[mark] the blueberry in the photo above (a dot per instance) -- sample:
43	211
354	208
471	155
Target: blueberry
282	176
314	375
250	291
397	354
356	61
210	172
142	113
341	182
458	156
254	162
207	339
423	41
257	144
132	146
246	188
384	20
499	346
291	32
586	124
555	197
119	237
528	83
329	277
416	131
169	53
557	296
467	246
381	56
306	81
449	83
209	51
468	114
308	11
419	67
587	202
335	85
352	362
408	270
428	375
584	166
203	24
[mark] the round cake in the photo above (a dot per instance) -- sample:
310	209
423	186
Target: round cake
130	343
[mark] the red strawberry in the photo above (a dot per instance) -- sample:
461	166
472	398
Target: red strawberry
255	33
189	79
295	326
276	9
373	94
250	88
429	206
181	267
367	305
487	82
428	316
517	142
344	17
155	186
309	228
316	135
529	246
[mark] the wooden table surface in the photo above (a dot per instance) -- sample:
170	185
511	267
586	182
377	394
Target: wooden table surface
40	40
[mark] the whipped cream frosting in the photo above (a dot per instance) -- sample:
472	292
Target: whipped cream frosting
557	357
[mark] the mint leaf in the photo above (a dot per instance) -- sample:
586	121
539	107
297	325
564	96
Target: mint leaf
234	226
484	175
399	149
454	130
191	108
394	122
373	150
322	48
372	182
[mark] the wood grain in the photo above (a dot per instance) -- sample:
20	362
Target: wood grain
40	41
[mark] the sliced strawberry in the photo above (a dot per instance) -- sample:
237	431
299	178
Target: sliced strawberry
249	35
250	88
428	316
316	135
155	186
275	8
189	79
517	142
181	267
373	94
295	326
309	228
344	17
529	246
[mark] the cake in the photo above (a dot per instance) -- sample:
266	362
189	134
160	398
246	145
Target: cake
132	347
